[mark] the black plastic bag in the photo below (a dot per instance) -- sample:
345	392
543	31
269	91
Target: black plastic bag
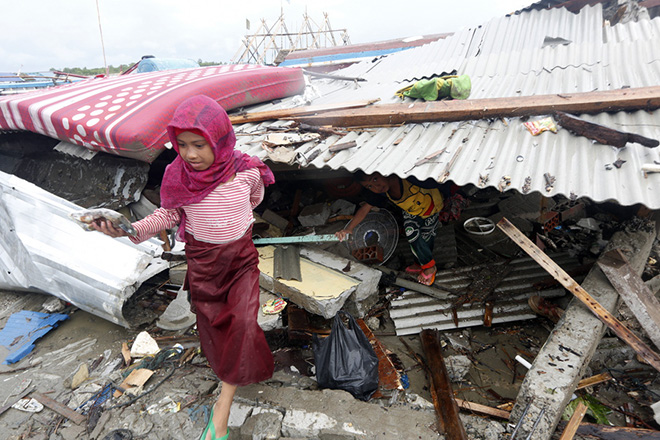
345	360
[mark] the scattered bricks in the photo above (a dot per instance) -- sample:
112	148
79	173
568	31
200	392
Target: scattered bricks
369	255
570	210
549	220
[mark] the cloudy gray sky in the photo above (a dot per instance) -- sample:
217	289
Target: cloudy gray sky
37	35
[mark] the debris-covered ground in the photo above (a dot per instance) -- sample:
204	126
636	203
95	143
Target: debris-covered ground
83	373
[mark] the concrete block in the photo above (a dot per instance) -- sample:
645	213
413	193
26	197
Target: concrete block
275	220
342	207
301	423
238	414
314	215
322	291
551	382
262	425
366	293
335	414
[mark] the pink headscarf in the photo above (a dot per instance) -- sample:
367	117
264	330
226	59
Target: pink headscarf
182	185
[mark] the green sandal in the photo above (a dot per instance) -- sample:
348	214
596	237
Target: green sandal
211	426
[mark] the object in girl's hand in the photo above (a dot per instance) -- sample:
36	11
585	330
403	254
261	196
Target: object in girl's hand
538	127
273	306
86	217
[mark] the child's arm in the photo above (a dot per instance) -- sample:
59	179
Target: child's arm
256	191
146	228
360	214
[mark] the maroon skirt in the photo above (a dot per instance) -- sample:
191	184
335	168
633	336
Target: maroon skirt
223	281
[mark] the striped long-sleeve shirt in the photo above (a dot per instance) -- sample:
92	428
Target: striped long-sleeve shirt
224	215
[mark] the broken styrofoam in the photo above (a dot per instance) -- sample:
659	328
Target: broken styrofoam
144	345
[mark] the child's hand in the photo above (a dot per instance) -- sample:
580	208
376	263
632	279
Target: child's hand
108	228
343	234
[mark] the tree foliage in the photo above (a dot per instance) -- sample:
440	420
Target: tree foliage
115	70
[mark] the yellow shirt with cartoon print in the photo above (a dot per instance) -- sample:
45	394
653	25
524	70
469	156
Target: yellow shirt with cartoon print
418	201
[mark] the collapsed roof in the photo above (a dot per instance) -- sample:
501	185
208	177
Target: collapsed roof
537	52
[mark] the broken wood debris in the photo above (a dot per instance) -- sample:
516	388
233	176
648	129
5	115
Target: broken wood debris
635	293
482	409
295	112
343	146
646	98
643	350
574	423
590	430
601	134
59	408
441	390
388	376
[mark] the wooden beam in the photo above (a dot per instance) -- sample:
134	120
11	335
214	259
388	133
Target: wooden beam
590	430
593	380
59	408
445	405
388	377
635	293
643	98
296	112
483	409
574	423
600	133
643	350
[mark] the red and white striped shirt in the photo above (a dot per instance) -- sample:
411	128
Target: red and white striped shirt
224	215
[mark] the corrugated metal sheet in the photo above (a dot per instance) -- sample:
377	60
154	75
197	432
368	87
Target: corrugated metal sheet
506	57
414	311
43	250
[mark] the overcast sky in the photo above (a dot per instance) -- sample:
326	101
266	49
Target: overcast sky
37	35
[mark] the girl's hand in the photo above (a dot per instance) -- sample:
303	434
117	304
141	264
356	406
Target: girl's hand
105	226
343	234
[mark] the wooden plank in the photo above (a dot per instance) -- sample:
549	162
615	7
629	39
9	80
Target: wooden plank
296	112
483	409
574	423
600	133
642	98
635	293
445	405
388	377
643	350
593	380
603	432
343	146
62	410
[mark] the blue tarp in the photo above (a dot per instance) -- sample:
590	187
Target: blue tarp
157	64
9	77
23	328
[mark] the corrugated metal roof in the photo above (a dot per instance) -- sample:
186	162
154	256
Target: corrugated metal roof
506	57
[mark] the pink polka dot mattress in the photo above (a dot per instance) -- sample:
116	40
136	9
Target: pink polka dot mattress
127	115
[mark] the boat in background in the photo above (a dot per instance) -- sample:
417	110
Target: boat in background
15	83
329	59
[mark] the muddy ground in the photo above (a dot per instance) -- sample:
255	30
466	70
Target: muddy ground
178	403
175	402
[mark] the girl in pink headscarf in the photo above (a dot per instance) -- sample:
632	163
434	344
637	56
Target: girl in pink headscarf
209	191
